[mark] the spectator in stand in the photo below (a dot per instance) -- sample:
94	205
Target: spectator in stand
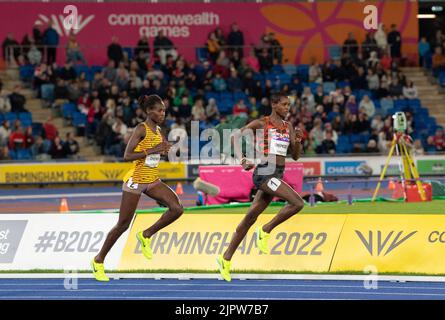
328	145
395	42
122	80
381	38
235	39
359	81
142	48
115	52
34	55
424	50
17	137
329	129
50	129
437	141
234	82
5	132
315	74
373	81
222	65
395	89
40	149
10	46
219	84
57	150
363	123
386	61
198	111
350	46
73	53
438	39
410	91
37	35
163	46
418	149
276	50
351	105
240	109
316	134
252	61
68	72
213	46
308	98
50	42
220	36
367	106
17	100
265	60
71	146
372	147
438	60
369	45
5	104
29	138
265	108
184	109
110	71
212	112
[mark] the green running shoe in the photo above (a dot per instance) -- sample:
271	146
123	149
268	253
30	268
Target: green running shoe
262	238
224	268
145	245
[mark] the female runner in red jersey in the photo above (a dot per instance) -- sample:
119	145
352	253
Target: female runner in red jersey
279	136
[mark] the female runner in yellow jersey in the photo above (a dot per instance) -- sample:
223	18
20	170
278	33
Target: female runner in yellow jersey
145	148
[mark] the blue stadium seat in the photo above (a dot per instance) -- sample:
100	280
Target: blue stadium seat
11	117
48	92
303	72
226	95
26	119
314	86
386	104
129	51
37	128
277	69
290	69
226	106
355	138
328	87
414	104
12	154
79	119
202	54
26	73
68	109
81	68
335	52
212	95
239	95
284	78
24	154
342	84
95	69
343	144
400	103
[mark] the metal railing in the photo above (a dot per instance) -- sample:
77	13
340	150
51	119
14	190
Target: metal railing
13	52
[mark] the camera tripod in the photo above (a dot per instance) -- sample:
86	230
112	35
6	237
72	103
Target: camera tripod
409	170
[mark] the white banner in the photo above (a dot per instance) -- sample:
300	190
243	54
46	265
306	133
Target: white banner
56	241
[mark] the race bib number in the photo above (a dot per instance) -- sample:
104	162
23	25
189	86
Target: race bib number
152	160
132	185
279	142
273	184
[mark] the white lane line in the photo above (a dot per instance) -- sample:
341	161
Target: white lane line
216	285
153	298
237	291
62	195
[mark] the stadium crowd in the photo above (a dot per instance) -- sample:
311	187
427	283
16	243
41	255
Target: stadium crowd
350	95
